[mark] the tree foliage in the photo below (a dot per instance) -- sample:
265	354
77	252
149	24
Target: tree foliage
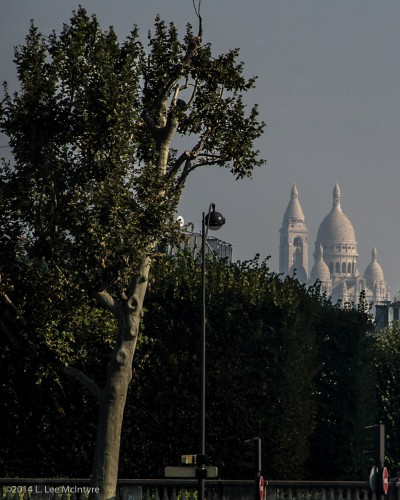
94	183
271	347
345	394
92	188
282	363
258	342
386	361
89	191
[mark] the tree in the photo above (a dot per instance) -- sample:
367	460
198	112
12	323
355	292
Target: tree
37	404
386	353
95	181
260	369
345	394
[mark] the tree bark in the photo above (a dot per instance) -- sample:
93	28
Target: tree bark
114	394
111	411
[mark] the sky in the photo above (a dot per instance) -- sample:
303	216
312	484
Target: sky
328	89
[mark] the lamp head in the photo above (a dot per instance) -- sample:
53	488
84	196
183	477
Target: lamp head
214	220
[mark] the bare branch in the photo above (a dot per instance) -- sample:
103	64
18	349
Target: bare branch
208	160
187	157
175	96
83	379
196	151
197	10
184	158
13	307
189	167
193	94
10	303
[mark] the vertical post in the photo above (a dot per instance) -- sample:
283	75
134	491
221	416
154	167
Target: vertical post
213	220
380	445
380	456
203	357
203	340
377	433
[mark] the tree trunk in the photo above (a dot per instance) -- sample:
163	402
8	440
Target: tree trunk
111	411
113	396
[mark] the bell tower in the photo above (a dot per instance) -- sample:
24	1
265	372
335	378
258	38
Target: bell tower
293	246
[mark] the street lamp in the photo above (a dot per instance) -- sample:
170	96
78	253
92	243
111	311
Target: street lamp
212	220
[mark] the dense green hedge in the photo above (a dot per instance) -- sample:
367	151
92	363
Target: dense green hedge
283	363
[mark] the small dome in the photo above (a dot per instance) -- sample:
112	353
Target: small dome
336	227
297	268
294	210
298	272
373	272
320	270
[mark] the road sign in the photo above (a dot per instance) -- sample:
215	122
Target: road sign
385	480
189	471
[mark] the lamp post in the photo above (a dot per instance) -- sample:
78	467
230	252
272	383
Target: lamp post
212	220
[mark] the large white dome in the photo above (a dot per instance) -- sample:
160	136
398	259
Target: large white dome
336	227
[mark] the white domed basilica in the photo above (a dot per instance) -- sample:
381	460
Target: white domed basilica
335	255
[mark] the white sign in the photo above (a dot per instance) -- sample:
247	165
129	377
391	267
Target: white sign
189	471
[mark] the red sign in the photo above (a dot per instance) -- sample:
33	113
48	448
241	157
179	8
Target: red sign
385	480
261	484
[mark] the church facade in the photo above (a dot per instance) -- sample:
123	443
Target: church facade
335	263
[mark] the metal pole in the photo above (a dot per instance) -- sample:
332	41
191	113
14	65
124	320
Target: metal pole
203	342
203	353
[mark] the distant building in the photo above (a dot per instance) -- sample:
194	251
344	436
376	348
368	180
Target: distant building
192	243
388	312
335	257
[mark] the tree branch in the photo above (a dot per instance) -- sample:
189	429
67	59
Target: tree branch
8	334
150	125
197	10
107	301
175	96
189	167
83	379
193	94
13	307
193	46
185	158
165	124
10	303
140	280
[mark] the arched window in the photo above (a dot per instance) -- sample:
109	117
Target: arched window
344	267
337	267
349	268
297	242
331	267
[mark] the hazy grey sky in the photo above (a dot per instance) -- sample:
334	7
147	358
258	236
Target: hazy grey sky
328	88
